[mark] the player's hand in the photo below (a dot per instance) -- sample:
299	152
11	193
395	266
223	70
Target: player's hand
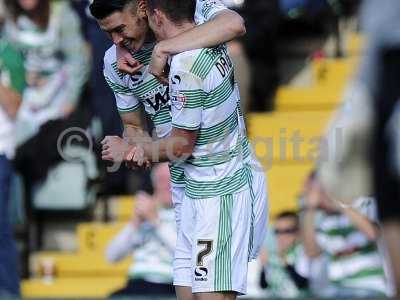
146	208
134	166
115	149
158	65
137	157
126	63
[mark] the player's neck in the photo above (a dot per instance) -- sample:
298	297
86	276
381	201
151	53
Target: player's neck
175	29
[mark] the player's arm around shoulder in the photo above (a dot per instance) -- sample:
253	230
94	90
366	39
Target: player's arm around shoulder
220	25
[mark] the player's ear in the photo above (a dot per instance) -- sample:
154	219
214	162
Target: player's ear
141	8
158	17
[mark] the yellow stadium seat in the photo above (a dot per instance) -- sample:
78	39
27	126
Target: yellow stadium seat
285	183
287	136
334	74
71	288
355	44
73	265
94	237
122	208
307	99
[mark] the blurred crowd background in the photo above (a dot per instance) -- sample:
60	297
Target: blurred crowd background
80	230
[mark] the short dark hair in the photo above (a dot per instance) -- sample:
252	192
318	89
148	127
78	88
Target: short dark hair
101	9
176	10
288	214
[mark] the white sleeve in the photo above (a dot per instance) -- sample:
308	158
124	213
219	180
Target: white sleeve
125	99
367	207
123	244
187	99
207	9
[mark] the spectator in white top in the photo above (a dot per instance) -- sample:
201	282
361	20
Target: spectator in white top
341	243
150	237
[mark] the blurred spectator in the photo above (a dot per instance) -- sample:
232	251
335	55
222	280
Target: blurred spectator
370	139
150	237
285	264
101	98
56	60
12	82
341	243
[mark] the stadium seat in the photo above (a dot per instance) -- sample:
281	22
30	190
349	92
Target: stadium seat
81	265
122	208
355	44
287	136
71	288
307	99
94	237
285	182
333	74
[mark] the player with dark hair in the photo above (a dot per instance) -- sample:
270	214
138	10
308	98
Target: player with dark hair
224	211
126	23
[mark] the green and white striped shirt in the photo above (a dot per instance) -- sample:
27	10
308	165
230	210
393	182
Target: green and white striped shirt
354	260
143	90
204	97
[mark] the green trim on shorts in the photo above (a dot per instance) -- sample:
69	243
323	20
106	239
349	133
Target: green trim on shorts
249	177
223	264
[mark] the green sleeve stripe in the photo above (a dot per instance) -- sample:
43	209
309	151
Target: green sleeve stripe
148	86
117	71
117	88
194	99
176	170
162	117
129	109
143	56
177	175
185	127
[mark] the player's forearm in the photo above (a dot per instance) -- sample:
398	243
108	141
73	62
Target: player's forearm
369	228
135	134
309	235
133	128
224	27
121	245
10	101
168	149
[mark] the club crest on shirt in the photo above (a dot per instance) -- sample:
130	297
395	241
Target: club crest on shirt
178	99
